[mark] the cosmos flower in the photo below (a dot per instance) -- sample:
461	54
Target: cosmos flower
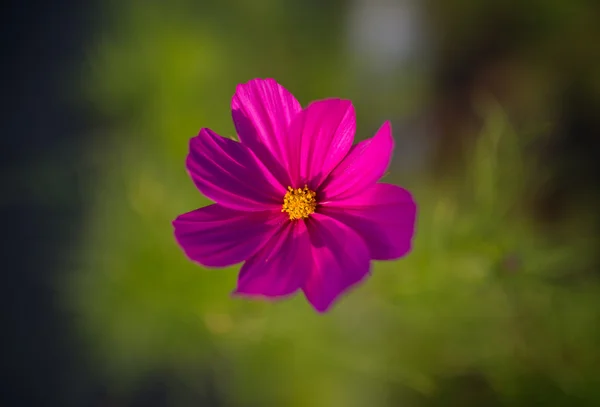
295	200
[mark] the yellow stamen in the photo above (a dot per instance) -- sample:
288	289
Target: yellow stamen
299	203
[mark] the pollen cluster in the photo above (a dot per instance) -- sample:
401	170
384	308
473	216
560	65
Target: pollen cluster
299	203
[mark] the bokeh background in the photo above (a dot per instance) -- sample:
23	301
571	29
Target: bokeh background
495	107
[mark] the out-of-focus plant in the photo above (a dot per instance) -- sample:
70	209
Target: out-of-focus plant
485	293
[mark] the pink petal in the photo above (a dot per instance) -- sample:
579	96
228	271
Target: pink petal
320	137
281	267
384	215
341	260
216	236
262	110
230	174
364	165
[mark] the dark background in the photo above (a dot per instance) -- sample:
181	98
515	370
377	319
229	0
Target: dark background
43	125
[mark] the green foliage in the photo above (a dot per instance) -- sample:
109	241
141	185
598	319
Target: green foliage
476	305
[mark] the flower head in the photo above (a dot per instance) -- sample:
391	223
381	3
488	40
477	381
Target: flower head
295	200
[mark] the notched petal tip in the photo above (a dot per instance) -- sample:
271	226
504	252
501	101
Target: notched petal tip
333	103
334	110
257	81
385	131
324	306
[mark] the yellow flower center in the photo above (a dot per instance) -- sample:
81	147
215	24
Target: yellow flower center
299	203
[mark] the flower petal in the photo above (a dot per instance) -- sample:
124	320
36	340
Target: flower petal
384	215
320	137
341	260
364	165
281	267
230	174
262	111
216	236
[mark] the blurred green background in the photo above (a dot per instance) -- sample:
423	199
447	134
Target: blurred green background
495	111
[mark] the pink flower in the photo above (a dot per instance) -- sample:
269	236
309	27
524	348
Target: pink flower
294	198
